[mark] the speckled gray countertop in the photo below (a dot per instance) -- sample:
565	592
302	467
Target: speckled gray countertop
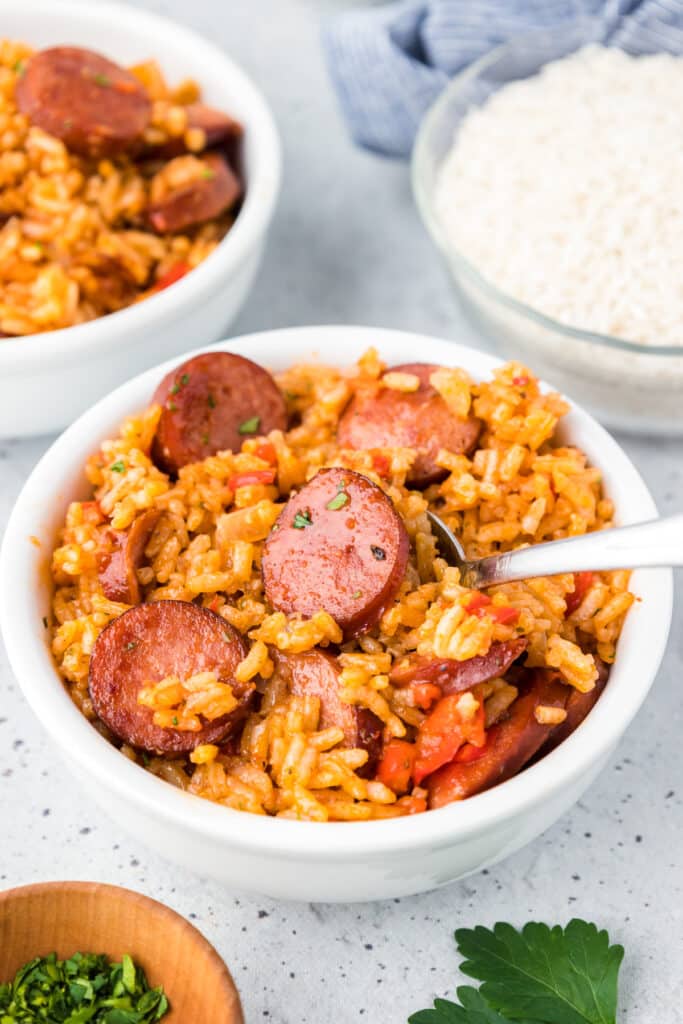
347	247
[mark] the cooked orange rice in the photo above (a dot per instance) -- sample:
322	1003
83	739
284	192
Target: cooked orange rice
73	241
516	488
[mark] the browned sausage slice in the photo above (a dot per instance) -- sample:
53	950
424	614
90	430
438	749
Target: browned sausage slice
94	106
457	676
510	744
213	403
577	707
211	195
419	419
145	645
338	546
220	130
216	125
316	674
118	566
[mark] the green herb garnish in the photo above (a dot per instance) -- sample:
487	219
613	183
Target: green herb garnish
19	67
340	499
208	174
132	645
211	401
539	974
356	594
205	438
118	467
302	519
185	379
86	987
175	719
171	406
250	426
102	80
175	389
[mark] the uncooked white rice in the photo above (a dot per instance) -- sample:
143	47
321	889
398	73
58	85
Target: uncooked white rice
564	190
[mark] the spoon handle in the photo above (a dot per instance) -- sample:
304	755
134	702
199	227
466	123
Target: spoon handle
655	543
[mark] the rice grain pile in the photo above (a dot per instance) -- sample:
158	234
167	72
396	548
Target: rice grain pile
516	488
74	244
564	191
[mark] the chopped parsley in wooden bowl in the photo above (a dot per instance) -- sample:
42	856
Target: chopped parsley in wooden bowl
83	951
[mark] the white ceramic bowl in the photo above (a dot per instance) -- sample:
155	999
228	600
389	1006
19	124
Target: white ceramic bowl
307	860
48	379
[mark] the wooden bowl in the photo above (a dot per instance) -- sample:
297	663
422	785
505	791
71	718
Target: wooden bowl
67	917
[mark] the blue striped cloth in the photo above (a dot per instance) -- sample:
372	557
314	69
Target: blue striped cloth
389	63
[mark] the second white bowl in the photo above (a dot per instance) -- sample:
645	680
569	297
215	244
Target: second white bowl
47	379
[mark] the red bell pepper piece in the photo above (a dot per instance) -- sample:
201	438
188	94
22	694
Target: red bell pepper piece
583	581
442	734
381	464
412	804
266	451
396	767
506	615
254	476
478	604
172	275
425	694
481	605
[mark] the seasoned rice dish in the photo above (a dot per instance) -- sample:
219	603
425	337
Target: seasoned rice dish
250	603
113	184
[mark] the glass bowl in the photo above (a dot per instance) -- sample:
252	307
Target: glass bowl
630	386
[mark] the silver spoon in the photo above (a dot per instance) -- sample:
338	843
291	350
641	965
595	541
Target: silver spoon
655	543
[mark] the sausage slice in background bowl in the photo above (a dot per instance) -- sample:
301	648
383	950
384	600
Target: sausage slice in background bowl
309	860
76	365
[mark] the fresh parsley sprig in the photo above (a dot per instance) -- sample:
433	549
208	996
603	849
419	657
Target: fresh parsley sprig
538	975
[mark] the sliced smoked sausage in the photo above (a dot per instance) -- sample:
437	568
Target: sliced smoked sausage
94	106
145	645
215	192
213	403
418	419
457	676
217	127
316	674
577	707
509	744
119	563
338	546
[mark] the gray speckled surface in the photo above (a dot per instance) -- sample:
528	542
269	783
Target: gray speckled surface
347	247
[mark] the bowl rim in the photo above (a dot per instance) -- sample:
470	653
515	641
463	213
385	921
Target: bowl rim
419	161
263	186
82	745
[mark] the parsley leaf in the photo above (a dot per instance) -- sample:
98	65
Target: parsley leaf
474	1010
340	499
118	467
302	519
249	426
551	975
